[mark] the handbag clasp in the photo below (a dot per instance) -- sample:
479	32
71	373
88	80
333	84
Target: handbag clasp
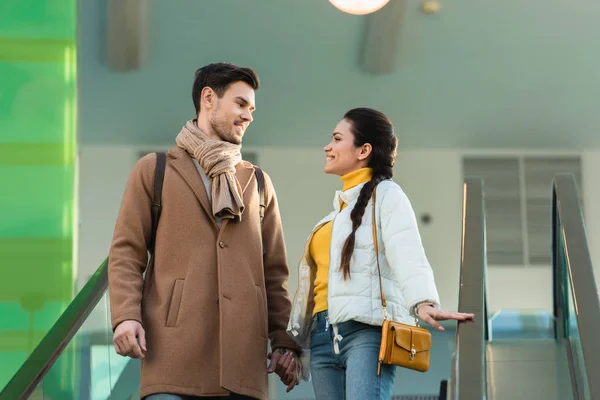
385	314
413	352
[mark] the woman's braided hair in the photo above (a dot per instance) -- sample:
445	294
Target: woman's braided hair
373	127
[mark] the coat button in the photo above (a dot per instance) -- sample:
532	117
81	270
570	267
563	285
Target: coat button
222	244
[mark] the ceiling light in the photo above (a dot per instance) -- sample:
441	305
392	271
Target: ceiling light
359	7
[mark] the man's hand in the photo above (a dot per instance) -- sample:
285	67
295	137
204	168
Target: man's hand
130	339
431	315
283	363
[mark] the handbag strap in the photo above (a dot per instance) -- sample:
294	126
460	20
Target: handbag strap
374	223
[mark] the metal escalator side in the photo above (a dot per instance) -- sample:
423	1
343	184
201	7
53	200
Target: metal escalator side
573	352
576	297
31	374
468	376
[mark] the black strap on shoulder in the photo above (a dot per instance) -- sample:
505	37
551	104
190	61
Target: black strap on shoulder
159	175
260	183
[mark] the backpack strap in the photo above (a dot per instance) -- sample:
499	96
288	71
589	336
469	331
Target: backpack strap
159	175
260	183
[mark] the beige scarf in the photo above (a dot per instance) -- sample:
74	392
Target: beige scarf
218	159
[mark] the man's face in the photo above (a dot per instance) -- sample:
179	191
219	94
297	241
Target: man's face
232	113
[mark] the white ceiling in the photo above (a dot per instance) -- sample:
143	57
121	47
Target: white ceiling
479	74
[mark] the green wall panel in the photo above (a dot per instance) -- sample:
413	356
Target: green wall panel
38	172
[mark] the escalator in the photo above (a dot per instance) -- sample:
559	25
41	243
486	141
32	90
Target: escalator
561	364
75	360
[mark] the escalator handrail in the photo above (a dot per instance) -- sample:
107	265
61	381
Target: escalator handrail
33	370
568	231
468	380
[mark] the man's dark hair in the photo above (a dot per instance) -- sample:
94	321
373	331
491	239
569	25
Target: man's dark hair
218	76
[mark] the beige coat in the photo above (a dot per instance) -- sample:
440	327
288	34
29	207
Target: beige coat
213	299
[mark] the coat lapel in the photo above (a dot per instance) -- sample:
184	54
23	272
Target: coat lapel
183	164
243	173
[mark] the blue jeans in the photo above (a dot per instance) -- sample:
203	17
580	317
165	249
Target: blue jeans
351	374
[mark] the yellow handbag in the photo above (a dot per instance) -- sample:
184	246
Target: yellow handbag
401	344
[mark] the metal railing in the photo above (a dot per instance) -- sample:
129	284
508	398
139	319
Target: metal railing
468	380
575	290
33	370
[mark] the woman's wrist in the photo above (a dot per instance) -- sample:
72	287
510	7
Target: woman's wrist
421	304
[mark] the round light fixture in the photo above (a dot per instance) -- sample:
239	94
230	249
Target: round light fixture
359	7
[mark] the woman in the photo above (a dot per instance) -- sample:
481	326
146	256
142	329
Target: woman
337	311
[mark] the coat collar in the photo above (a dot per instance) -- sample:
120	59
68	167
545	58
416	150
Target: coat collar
184	165
349	197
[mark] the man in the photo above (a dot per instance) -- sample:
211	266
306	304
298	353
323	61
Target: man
217	284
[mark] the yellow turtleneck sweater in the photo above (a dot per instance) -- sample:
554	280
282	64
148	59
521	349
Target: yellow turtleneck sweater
321	242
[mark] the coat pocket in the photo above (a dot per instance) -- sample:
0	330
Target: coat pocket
262	319
175	303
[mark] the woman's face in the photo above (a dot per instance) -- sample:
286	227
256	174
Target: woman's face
342	156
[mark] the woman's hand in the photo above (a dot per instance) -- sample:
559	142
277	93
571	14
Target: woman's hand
285	364
431	315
